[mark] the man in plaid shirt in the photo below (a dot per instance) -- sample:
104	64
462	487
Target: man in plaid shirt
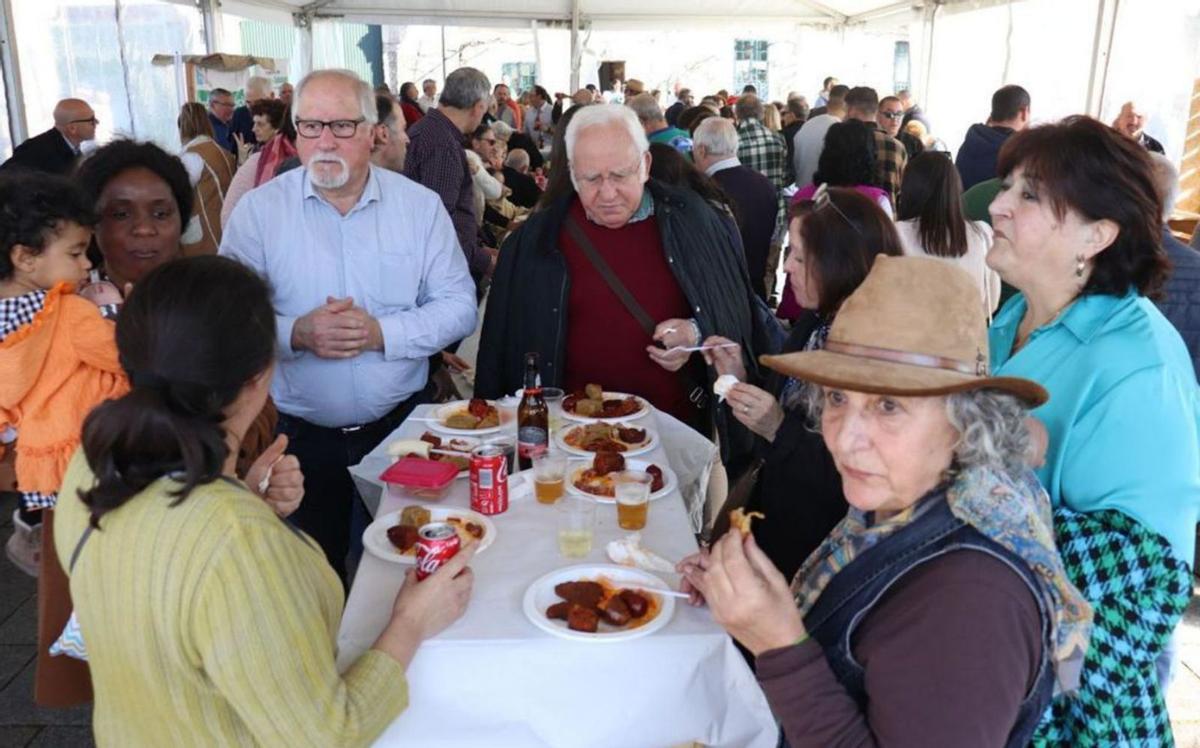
759	148
765	152
862	103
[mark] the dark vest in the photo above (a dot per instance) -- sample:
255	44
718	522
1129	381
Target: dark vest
849	597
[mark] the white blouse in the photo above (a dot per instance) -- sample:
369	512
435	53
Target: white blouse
973	261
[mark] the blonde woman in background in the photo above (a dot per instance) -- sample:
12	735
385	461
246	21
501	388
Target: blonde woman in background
210	169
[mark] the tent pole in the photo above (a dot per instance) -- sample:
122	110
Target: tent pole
210	11
1106	22
576	52
537	54
14	96
443	30
302	54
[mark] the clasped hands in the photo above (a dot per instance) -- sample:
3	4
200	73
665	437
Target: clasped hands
338	329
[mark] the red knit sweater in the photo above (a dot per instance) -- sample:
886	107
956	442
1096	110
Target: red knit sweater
605	344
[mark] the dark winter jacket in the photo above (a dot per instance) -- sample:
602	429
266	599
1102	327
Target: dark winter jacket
526	309
976	160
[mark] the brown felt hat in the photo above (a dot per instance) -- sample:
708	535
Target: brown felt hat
914	327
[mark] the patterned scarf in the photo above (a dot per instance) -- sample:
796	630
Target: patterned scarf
276	150
790	397
1012	511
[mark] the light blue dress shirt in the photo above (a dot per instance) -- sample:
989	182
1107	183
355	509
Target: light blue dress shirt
395	253
1122	417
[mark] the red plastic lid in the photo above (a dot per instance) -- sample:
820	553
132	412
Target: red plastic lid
417	472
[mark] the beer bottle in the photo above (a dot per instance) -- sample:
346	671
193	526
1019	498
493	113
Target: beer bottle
533	416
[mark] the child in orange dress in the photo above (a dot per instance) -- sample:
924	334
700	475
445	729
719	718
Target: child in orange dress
58	359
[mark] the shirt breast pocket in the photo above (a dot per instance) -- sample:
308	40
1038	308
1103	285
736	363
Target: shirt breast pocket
397	280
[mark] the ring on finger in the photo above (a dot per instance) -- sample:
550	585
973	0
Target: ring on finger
745	408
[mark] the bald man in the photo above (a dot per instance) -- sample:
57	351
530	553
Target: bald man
1131	122
57	149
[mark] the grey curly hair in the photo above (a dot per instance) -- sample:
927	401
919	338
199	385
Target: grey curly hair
991	426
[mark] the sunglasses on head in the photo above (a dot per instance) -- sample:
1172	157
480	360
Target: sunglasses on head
821	198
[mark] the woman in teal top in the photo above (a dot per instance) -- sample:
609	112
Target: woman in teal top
1077	232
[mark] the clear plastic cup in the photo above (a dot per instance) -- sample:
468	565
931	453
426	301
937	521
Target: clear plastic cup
633	498
576	526
549	473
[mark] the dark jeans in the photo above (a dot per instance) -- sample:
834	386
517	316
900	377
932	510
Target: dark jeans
332	511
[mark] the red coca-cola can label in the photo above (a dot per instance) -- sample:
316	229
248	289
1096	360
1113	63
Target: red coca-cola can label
437	542
489	480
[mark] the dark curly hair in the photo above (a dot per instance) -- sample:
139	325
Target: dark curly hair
119	156
848	158
1085	166
191	335
273	109
34	206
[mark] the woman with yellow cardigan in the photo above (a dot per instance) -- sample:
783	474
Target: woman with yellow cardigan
209	620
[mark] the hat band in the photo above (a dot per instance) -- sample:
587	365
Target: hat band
978	369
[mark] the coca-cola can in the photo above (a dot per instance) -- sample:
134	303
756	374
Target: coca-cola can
437	542
489	480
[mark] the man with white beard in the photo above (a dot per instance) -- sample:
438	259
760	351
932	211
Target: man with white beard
368	281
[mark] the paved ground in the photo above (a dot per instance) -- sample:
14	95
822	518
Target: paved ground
23	724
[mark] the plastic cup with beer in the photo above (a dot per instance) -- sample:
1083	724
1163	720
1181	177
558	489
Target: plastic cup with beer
549	473
576	526
633	498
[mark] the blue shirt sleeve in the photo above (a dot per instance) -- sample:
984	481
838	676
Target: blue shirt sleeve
1135	449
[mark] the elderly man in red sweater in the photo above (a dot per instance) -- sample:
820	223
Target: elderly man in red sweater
615	278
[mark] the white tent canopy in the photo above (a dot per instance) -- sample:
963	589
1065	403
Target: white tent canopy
1072	55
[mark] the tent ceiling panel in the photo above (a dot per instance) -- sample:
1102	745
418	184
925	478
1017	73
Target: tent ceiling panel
475	12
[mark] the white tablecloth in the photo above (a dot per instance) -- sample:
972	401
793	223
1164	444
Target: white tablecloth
493	679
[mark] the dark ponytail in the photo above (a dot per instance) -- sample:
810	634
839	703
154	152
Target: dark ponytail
192	334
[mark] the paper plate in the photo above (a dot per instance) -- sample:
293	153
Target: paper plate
646	407
560	440
442	412
376	541
540	596
670	482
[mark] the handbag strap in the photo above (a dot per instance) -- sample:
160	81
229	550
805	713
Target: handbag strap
606	272
739	496
87	533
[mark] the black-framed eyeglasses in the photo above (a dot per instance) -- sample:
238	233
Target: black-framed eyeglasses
89	121
341	128
822	198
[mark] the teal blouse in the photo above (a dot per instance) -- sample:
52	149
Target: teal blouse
1122	417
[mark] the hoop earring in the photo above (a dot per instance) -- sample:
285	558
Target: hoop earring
1079	266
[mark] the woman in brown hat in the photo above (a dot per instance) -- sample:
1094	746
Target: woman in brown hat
832	245
937	612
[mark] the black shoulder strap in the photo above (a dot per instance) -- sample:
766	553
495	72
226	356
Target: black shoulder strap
79	547
606	272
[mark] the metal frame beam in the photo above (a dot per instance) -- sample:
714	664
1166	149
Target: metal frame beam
14	95
1106	25
576	50
214	32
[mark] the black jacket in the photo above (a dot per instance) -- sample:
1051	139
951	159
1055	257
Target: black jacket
756	204
976	159
1181	294
526	310
47	152
799	488
525	192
